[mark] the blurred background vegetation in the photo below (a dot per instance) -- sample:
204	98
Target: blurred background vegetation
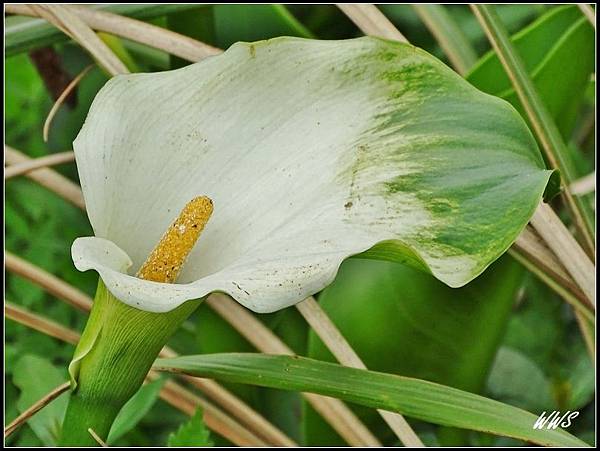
506	335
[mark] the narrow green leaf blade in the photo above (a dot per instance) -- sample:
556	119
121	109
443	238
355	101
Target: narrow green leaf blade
412	397
135	409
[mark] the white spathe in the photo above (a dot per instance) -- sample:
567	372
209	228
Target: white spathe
301	145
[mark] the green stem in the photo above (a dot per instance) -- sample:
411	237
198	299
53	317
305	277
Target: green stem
115	353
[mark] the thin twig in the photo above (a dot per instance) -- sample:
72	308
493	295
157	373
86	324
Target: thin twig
36	407
65	19
576	262
589	12
135	30
95	436
37	322
342	419
531	248
584	185
36	163
48	282
48	178
343	352
61	99
371	21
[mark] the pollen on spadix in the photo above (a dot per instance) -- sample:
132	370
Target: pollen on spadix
166	260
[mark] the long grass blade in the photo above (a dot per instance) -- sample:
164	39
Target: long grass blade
415	398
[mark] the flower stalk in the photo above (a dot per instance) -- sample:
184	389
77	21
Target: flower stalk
120	343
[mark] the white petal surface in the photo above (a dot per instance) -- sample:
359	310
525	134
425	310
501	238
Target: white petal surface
311	151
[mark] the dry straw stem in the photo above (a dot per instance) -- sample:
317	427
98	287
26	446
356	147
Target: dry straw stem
343	352
39	323
80	300
61	99
530	250
562	243
589	12
135	30
100	442
66	20
37	163
339	416
48	178
171	392
584	185
35	408
371	21
48	282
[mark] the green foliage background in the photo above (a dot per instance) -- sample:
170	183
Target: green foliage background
506	335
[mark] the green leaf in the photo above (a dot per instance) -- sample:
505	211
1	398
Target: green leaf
517	380
36	377
424	329
193	433
235	23
414	398
559	42
134	410
580	382
197	24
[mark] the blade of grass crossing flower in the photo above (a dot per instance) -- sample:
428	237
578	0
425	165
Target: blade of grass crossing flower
448	34
415	398
545	128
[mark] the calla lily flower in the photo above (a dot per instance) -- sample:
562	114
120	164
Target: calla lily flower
312	152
